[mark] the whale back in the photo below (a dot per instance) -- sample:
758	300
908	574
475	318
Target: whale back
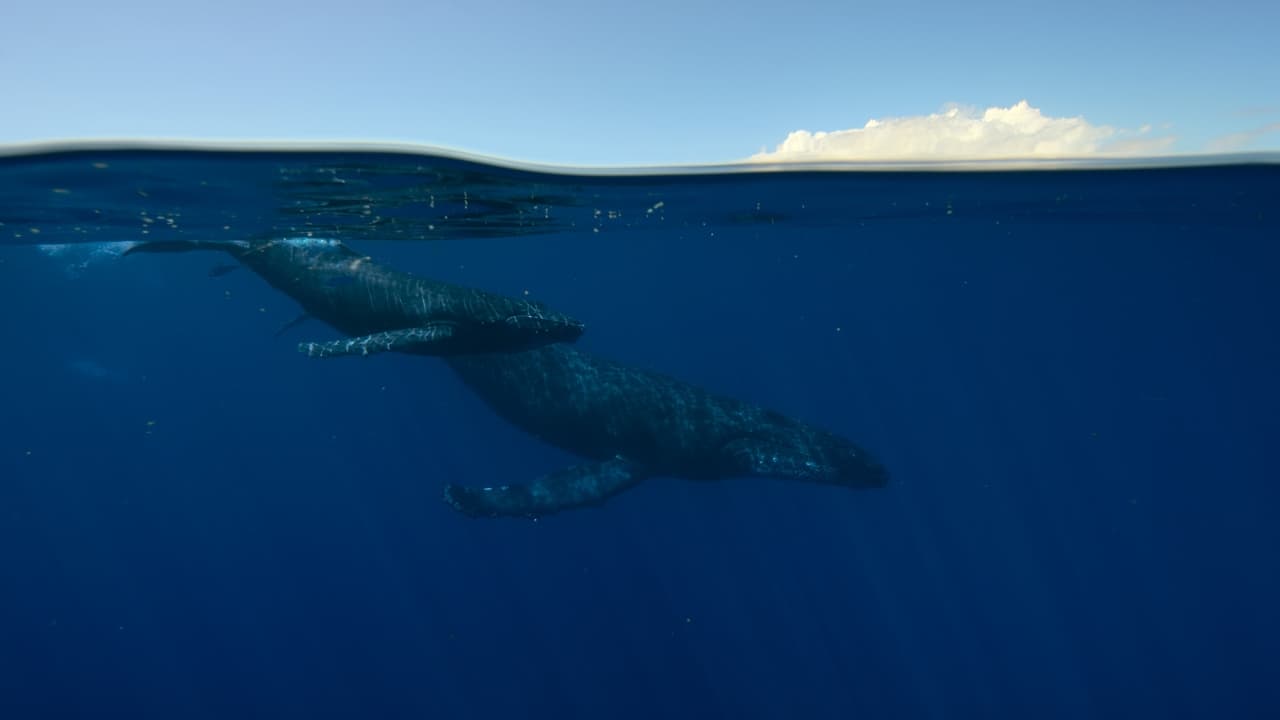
597	408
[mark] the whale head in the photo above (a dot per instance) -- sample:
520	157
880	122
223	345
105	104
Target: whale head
538	319
518	325
786	449
525	333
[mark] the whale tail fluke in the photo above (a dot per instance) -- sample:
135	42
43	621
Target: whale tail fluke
574	487
175	246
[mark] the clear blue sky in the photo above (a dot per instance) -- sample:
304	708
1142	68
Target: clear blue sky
569	81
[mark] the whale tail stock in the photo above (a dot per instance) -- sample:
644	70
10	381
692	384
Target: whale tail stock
574	487
176	246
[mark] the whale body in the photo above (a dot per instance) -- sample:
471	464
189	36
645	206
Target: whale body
630	424
383	309
627	423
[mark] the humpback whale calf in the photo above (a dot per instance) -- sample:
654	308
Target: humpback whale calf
384	309
631	424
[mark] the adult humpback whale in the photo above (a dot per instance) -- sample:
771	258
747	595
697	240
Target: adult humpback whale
384	309
634	424
630	423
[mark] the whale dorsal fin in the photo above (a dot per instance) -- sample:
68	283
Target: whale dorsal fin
416	338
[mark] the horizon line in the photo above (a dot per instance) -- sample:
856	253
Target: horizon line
23	149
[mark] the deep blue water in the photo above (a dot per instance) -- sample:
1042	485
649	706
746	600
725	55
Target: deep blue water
1071	375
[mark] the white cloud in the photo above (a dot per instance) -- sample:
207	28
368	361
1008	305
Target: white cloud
956	133
1245	140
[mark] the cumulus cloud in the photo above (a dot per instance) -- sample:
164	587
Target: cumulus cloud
956	133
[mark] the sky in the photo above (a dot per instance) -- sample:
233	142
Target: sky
657	83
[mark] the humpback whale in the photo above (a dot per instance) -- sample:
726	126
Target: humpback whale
383	309
631	424
628	424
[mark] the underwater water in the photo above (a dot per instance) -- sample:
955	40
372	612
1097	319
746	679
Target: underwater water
1070	376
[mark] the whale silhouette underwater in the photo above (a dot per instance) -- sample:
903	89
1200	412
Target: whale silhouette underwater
384	309
632	424
627	423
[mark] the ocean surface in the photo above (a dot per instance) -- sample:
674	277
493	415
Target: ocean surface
1070	374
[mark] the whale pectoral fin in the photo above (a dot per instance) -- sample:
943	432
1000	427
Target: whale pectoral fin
418	338
574	487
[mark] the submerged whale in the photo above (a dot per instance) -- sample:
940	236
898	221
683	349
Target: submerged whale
632	424
384	309
629	424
